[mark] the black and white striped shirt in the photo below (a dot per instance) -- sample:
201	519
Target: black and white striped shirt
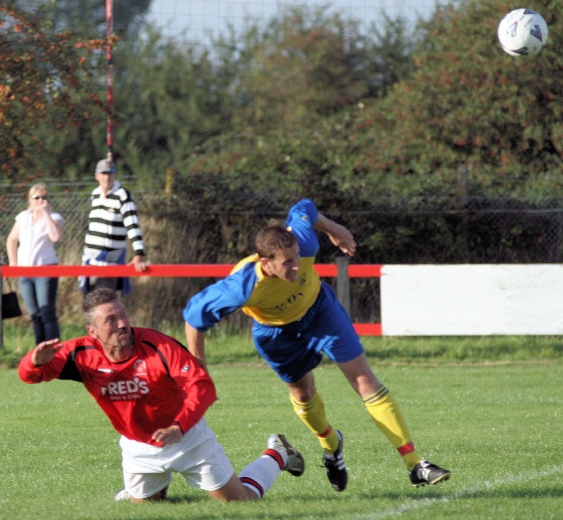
112	219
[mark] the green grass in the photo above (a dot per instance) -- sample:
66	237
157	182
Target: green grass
495	423
225	347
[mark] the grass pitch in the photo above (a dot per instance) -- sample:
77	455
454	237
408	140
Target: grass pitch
496	425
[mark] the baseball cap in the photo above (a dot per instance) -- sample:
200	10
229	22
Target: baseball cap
105	166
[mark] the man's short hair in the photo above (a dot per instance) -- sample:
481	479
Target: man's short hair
94	299
273	238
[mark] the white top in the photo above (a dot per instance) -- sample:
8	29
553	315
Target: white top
35	246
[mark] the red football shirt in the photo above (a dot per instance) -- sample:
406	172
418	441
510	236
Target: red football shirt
162	383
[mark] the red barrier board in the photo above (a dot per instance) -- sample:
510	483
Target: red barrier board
169	270
186	271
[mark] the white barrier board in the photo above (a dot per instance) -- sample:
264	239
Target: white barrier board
476	299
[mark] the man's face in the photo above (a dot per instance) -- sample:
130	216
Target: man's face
111	326
284	266
106	181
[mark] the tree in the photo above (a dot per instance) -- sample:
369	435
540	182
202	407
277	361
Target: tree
88	17
45	77
470	105
307	64
297	87
75	32
169	100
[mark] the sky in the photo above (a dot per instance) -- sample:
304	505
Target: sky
202	18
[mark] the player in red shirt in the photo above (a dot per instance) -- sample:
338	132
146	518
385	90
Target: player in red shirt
155	393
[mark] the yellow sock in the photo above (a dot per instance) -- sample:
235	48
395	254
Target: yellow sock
313	415
389	419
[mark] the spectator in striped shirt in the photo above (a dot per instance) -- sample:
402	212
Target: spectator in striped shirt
112	219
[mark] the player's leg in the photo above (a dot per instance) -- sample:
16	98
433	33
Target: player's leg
309	407
381	407
145	472
140	487
386	414
342	345
293	357
344	348
259	476
202	461
234	490
293	354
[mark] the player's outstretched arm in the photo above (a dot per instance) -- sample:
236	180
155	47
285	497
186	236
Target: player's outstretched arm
196	343
44	352
339	235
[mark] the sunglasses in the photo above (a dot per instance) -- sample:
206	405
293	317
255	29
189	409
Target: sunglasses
42	197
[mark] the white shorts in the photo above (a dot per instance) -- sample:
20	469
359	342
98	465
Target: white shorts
198	457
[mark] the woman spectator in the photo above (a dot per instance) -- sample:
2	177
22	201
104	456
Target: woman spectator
37	230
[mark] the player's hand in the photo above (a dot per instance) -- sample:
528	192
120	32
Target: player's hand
168	435
342	238
45	351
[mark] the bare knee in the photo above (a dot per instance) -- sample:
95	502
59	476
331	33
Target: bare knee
303	390
246	494
302	395
360	376
233	491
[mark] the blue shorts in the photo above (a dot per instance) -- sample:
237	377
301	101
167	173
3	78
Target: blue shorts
297	348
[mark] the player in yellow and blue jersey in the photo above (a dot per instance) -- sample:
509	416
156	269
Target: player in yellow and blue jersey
296	320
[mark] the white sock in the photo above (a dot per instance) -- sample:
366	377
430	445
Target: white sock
260	475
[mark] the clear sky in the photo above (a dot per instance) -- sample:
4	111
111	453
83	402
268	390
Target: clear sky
201	18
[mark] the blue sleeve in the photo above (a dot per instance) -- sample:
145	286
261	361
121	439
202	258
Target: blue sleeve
220	299
300	219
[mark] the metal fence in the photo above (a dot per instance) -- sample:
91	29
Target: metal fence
423	230
432	230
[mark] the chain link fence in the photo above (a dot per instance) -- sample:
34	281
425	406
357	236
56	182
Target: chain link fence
415	230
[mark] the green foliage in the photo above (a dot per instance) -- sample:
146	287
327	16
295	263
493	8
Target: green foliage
246	106
459	103
46	76
292	82
308	105
308	64
468	103
169	102
88	17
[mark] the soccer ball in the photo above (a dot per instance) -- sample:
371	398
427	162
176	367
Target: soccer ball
522	32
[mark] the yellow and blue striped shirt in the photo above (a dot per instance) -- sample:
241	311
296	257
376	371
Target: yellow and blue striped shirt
269	301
